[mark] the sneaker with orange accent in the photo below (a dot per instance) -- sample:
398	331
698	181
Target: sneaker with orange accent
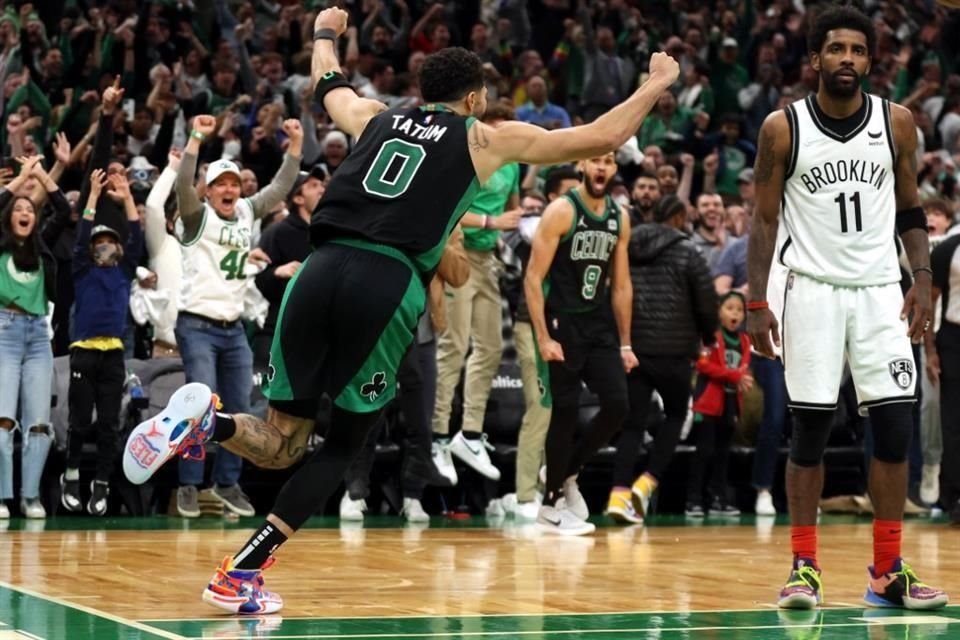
182	428
241	591
902	589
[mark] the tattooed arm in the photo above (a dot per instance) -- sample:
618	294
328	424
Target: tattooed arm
769	172
491	147
918	302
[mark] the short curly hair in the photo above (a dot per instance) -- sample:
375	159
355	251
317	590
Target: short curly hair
841	17
450	74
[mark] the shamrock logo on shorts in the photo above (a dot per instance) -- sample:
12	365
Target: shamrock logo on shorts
372	390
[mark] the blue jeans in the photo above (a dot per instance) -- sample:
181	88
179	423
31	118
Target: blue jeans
769	375
26	378
220	358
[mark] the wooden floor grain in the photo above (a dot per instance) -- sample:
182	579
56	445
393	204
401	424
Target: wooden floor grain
454	572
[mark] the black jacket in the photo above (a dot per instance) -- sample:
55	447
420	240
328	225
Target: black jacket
674	302
284	242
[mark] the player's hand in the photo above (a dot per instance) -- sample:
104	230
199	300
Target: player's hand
508	219
918	304
629	359
551	351
933	367
664	68
205	124
762	325
287	271
292	128
112	96
332	18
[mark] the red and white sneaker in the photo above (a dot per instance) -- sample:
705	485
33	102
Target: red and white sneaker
180	429
241	591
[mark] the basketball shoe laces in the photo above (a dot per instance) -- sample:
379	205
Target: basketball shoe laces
228	585
806	576
911	581
192	447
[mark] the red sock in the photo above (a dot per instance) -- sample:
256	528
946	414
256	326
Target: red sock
886	545
803	541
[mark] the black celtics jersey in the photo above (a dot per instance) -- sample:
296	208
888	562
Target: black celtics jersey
577	281
405	185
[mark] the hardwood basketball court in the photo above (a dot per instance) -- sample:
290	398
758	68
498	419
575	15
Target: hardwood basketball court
77	578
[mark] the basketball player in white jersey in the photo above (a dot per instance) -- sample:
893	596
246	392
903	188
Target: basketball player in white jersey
836	178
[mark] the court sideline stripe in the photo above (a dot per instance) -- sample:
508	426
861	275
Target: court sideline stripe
761	609
161	633
547	634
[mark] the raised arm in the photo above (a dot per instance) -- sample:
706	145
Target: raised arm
912	224
188	203
769	175
274	193
155	220
555	223
621	293
515	141
350	112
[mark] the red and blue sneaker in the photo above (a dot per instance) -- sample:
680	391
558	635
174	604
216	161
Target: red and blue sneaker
181	429
902	589
804	588
241	591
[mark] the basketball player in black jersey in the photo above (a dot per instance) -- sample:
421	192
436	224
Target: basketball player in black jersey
583	331
351	311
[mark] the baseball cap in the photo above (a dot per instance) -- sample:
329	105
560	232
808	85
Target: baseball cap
730	42
746	175
316	171
220	167
102	229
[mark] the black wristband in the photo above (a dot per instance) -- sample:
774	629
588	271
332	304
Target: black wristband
912	218
325	34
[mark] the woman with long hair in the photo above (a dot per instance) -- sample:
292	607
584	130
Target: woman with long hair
27	287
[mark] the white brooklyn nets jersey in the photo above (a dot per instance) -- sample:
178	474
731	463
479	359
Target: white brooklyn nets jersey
839	209
214	281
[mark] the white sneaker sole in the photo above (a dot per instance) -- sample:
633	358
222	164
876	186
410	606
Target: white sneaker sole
584	530
623	517
155	441
233	604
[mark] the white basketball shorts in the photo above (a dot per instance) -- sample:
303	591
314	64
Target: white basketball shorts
823	324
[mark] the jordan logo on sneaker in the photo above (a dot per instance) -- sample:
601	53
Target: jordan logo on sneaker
372	390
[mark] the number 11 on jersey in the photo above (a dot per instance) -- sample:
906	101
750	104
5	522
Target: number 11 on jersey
841	200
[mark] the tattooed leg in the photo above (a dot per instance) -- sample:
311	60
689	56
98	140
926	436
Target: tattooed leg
276	443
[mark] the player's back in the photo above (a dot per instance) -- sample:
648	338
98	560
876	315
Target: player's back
406	184
839	206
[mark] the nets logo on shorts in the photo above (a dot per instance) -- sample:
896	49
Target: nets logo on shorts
902	372
372	390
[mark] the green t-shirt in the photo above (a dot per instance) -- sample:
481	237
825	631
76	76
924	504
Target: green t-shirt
731	343
22	288
490	201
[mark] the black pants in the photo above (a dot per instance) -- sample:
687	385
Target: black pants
602	370
714	434
948	346
96	380
669	377
417	376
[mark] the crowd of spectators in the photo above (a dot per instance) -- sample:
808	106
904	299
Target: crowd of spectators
107	93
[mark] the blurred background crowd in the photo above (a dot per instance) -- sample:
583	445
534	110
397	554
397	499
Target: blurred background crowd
115	85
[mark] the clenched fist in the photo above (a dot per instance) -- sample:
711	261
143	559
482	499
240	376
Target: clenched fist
663	66
332	18
293	129
205	124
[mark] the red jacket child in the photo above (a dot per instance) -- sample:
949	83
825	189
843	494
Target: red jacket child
713	376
